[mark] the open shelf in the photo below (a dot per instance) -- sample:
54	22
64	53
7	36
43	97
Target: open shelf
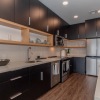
75	47
25	34
79	43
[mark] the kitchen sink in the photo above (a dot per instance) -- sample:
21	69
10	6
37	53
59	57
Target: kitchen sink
30	62
33	61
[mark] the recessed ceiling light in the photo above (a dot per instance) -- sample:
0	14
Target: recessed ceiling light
98	11
76	16
65	3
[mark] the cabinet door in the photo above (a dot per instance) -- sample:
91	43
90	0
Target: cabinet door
38	14
82	31
79	65
50	21
46	77
35	82
40	78
43	17
63	27
35	14
90	27
7	9
5	91
22	12
98	27
73	32
57	23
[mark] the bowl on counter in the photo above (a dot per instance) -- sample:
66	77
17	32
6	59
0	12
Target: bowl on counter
4	62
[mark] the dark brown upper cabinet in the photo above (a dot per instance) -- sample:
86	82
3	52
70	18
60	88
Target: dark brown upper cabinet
76	31
90	28
50	20
34	14
43	17
81	31
73	32
63	27
57	24
7	9
38	15
22	12
98	27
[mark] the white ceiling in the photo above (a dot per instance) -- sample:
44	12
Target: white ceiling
75	7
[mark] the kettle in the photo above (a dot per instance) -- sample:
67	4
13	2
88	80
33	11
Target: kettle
63	53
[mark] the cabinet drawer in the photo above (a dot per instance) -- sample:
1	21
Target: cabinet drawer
19	84
20	72
5	76
23	96
5	91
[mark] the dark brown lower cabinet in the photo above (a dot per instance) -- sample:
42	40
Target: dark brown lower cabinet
24	96
78	65
5	91
40	80
20	85
26	84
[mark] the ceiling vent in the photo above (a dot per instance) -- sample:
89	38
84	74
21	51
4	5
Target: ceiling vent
93	12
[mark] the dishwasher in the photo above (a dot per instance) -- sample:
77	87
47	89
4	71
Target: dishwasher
55	73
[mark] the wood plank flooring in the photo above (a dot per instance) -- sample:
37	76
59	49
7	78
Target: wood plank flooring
77	87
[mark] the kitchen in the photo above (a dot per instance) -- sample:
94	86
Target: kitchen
48	52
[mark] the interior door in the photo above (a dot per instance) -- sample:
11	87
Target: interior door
91	47
91	66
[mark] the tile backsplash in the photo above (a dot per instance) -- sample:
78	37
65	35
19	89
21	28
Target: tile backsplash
78	52
19	53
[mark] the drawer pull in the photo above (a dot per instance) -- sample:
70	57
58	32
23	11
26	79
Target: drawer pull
41	76
15	96
16	78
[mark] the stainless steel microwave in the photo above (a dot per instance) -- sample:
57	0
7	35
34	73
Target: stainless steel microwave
59	40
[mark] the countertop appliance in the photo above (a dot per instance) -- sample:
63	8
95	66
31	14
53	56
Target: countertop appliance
93	57
65	69
59	40
63	53
55	73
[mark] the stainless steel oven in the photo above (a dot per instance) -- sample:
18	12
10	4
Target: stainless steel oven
55	73
65	69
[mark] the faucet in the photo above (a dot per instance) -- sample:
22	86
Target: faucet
29	53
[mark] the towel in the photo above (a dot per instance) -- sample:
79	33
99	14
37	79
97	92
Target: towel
56	69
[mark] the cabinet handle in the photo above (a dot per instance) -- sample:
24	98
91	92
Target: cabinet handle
78	36
57	32
65	35
16	78
47	28
15	96
29	21
96	34
41	76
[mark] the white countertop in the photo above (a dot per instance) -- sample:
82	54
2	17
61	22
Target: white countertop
19	65
97	91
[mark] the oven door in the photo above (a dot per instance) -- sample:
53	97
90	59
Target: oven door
65	67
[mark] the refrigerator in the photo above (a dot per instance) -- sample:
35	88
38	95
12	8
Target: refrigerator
93	57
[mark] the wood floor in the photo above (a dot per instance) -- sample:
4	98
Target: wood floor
77	87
